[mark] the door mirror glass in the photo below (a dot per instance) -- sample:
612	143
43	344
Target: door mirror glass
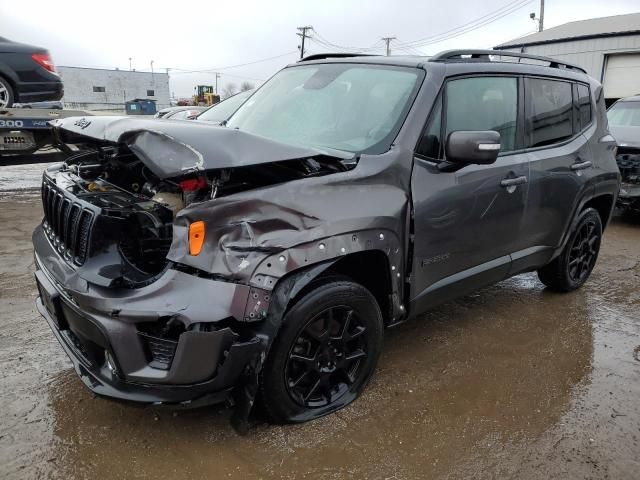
475	147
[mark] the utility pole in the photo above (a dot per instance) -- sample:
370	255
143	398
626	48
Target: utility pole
129	63
541	22
387	40
217	77
303	34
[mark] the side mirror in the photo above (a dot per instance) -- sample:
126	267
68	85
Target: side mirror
467	147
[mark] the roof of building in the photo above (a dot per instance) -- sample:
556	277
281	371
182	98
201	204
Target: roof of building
582	29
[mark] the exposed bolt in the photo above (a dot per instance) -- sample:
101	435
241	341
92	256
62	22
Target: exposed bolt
342	250
382	236
322	246
393	267
402	308
281	258
398	274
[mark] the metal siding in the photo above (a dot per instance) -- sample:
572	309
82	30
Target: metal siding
120	86
589	53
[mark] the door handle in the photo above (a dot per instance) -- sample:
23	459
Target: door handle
580	165
513	182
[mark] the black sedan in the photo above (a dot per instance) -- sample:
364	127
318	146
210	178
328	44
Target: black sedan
27	74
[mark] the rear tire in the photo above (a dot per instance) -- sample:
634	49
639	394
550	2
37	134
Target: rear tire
573	266
6	94
325	352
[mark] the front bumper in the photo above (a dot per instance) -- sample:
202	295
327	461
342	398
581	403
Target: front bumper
99	330
629	196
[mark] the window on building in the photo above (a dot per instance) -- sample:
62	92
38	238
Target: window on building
549	111
98	89
584	105
151	93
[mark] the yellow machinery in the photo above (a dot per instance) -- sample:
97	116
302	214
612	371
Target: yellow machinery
205	96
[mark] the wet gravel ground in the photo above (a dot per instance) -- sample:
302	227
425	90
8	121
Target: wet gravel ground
511	382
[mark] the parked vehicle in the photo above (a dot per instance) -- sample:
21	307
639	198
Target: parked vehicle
220	112
187	263
53	105
184	113
624	119
27	74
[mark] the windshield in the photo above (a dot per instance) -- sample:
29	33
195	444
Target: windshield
624	114
224	109
347	107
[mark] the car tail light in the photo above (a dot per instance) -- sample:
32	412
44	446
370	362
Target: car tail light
44	60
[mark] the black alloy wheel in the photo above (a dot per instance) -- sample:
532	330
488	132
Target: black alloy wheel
327	357
324	353
584	251
569	270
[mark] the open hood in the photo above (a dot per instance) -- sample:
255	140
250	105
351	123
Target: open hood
173	148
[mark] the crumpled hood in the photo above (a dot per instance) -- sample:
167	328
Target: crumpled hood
626	136
173	148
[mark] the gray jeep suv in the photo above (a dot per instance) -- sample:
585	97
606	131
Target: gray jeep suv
186	263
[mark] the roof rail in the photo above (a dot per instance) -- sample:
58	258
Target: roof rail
321	56
484	56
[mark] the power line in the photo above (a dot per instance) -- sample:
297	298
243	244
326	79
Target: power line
228	67
470	26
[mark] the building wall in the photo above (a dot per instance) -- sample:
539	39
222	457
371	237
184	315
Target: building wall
119	86
590	54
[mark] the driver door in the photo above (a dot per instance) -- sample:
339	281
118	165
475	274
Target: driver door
468	222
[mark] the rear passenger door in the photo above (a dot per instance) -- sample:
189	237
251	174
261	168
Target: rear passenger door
560	160
467	222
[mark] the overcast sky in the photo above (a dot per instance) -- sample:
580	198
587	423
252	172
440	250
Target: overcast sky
203	35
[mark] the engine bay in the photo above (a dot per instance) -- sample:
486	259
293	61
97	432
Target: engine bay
131	210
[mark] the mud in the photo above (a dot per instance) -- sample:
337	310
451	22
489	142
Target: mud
511	382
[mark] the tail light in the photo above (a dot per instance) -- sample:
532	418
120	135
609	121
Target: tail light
45	61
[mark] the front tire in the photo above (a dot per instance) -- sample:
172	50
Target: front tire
573	266
325	352
6	94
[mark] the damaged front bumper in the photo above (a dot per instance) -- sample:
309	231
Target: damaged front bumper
629	197
101	330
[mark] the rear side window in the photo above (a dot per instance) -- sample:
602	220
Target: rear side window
549	111
584	105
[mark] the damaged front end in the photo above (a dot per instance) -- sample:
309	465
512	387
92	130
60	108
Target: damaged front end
628	159
141	316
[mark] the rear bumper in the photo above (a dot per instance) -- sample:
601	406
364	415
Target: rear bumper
39	91
100	334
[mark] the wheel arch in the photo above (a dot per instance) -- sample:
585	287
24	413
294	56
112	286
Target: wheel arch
603	204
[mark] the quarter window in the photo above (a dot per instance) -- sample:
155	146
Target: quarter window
549	111
584	105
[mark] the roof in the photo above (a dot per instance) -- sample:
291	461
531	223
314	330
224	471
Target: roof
582	29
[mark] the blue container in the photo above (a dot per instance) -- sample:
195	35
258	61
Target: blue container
140	106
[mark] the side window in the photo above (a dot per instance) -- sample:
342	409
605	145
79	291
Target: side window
584	105
549	111
483	103
430	145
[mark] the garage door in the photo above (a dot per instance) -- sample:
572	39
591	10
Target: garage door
622	76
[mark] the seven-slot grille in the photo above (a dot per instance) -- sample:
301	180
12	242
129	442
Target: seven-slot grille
67	224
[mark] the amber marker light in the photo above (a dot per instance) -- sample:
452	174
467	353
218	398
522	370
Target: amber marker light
196	237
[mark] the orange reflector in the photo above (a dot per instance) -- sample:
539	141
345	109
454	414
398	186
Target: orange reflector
196	237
